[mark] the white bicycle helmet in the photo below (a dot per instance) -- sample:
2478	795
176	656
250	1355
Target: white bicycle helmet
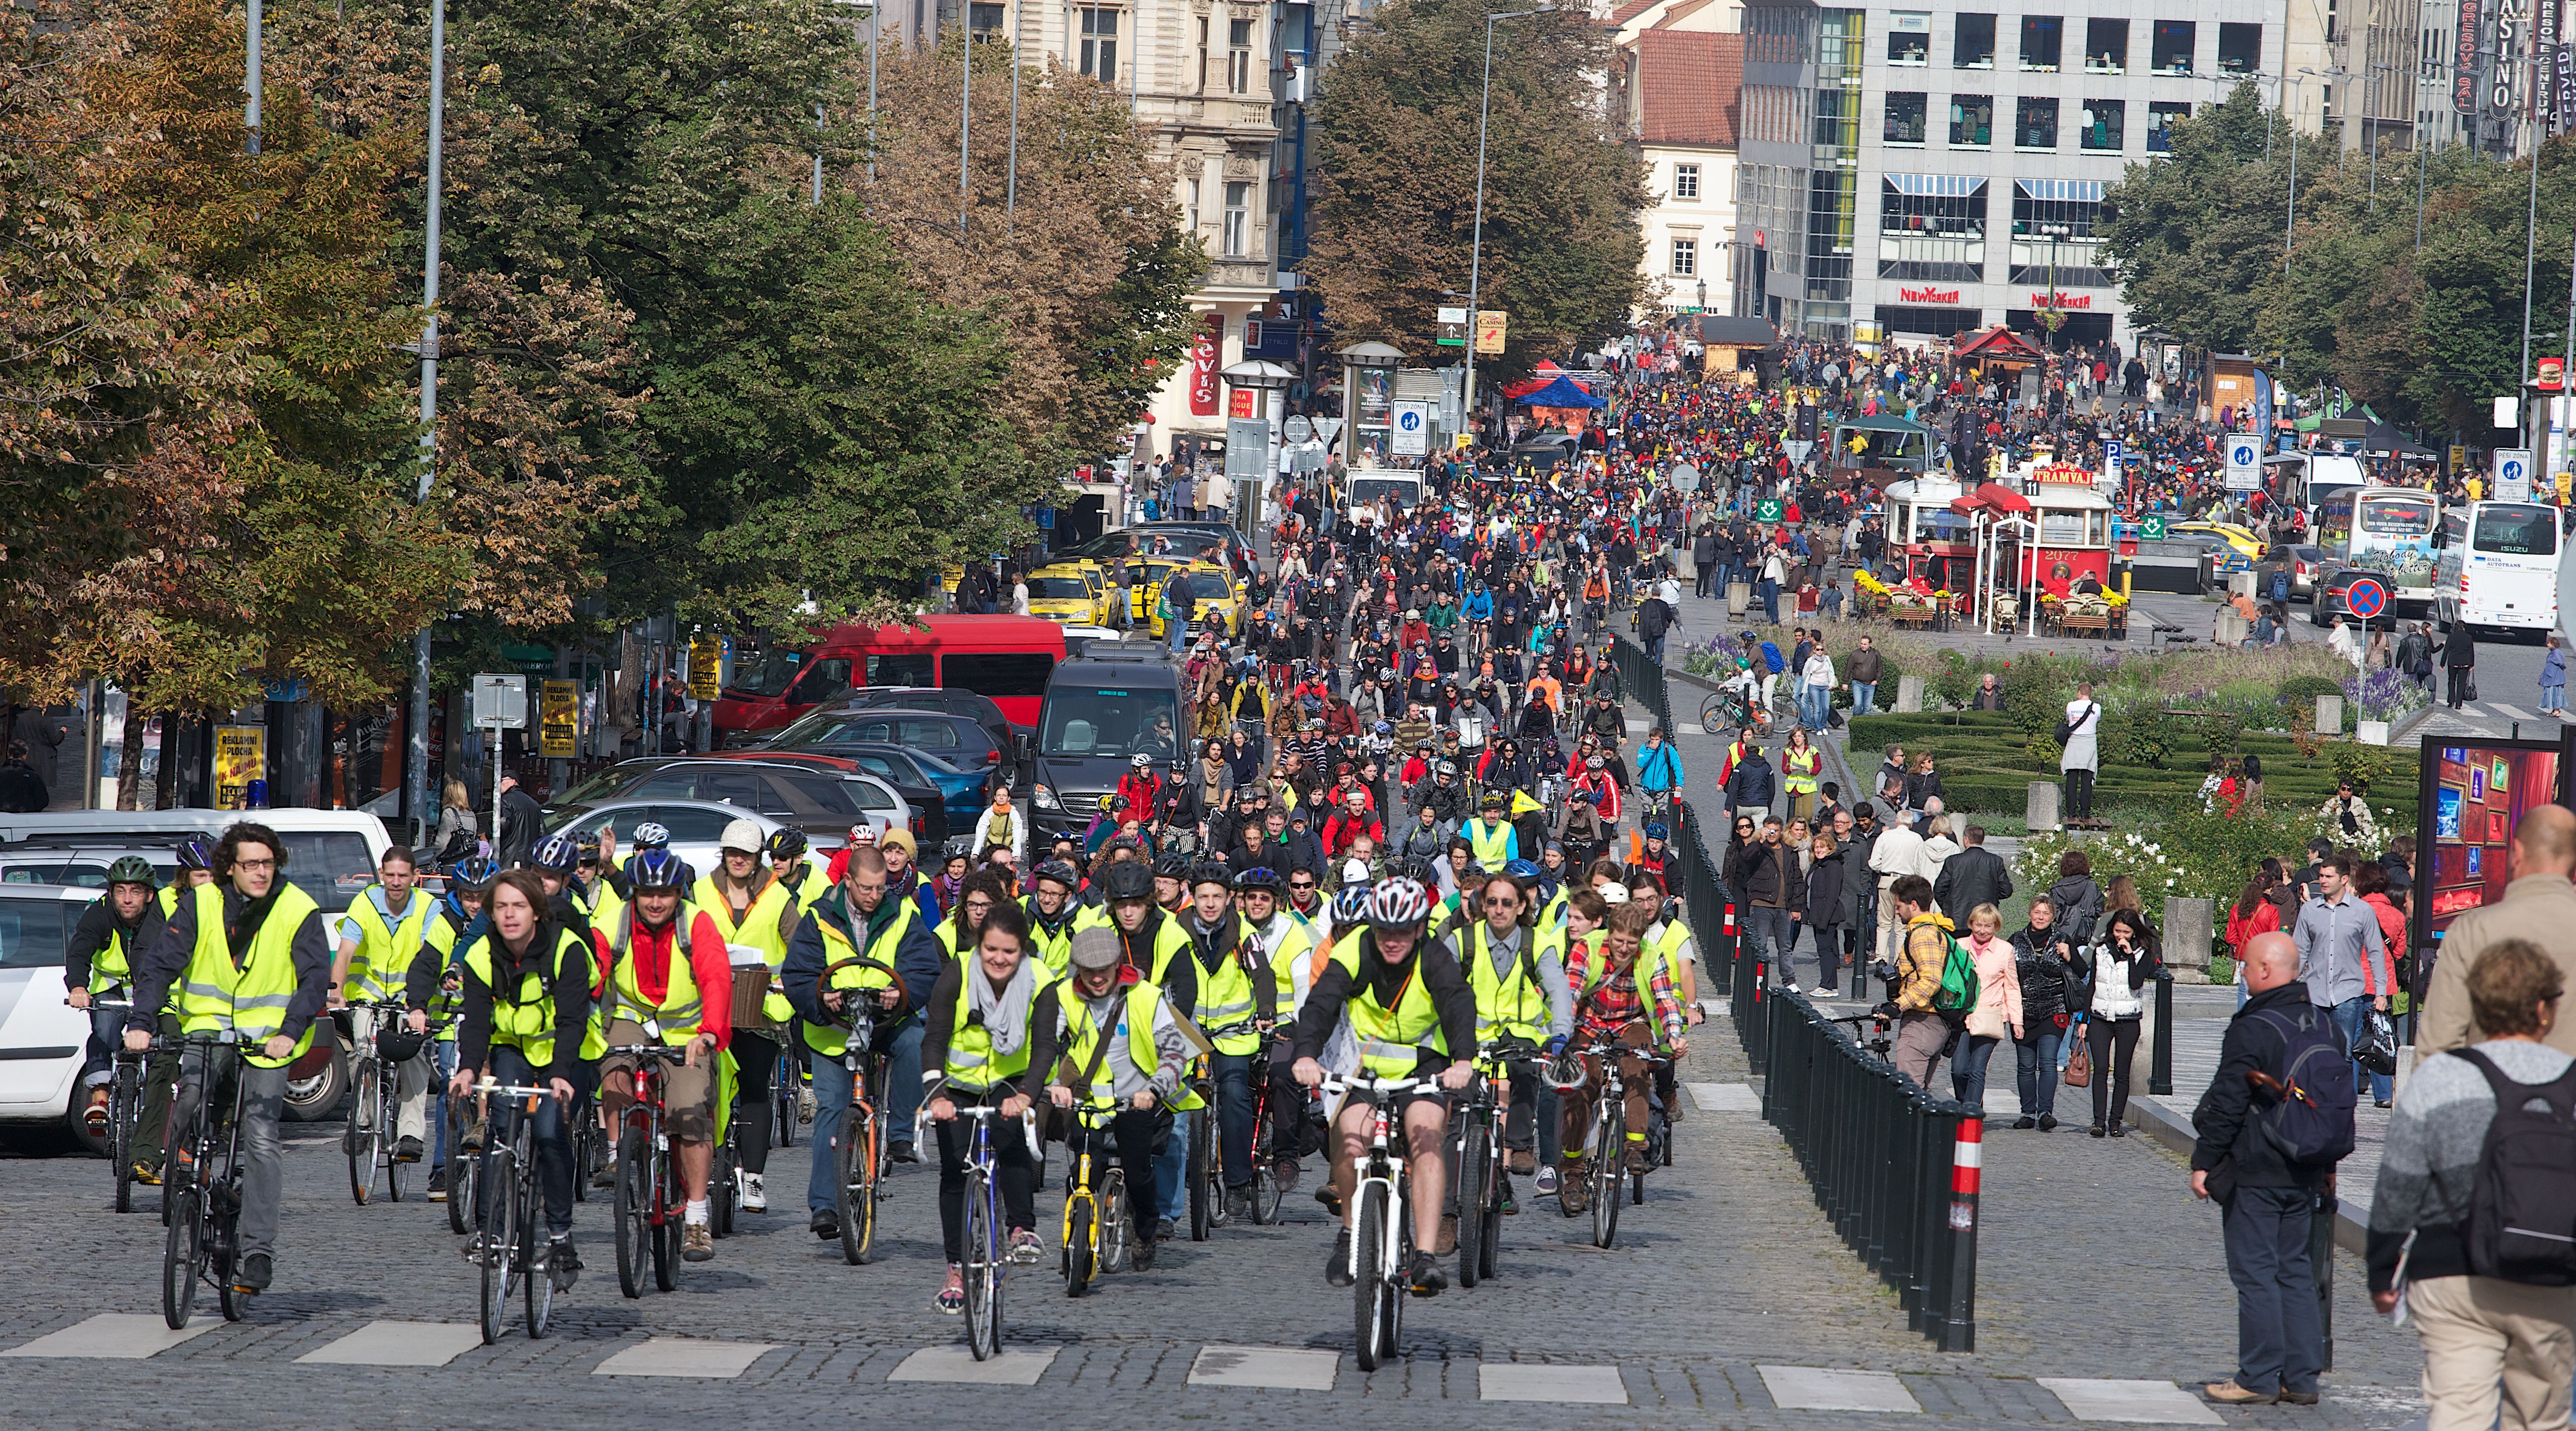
1564	1073
1398	903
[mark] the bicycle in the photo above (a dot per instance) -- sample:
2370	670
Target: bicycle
375	1094
1611	1182
985	1252
1382	1239
861	1158
1480	1180
512	1245
1095	1221
648	1203
124	1109
464	1168
202	1189
787	1090
1268	1192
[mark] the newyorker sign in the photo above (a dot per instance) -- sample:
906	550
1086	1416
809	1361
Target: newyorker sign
1928	295
2062	300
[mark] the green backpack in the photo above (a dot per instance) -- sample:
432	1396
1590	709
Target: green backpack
1959	982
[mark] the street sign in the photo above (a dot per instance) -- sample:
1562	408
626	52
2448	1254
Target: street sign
1412	430
706	667
2513	474
1797	448
2111	457
1247	448
559	719
2244	462
1767	510
1299	429
1685	478
1453	328
2152	529
1491	326
500	702
2367	598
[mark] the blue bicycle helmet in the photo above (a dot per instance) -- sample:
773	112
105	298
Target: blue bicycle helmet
474	872
657	869
557	853
1522	870
195	854
1656	831
1261	877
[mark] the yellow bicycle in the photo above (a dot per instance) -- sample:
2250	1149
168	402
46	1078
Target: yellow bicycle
1095	1203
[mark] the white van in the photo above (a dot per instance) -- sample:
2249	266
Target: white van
331	854
43	1040
2496	567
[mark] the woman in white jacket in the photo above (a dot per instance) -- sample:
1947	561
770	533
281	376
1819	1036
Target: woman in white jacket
1002	825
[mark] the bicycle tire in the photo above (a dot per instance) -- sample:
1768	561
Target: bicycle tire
464	1175
983	1254
181	1253
628	1214
1608	1165
1196	1174
1490	1245
666	1222
584	1136
227	1299
1475	1170
720	1193
1400	1283
396	1170
1117	1220
1081	1252
1368	1304
783	1101
535	1272
856	1168
1713	713
499	1239
120	1133
366	1112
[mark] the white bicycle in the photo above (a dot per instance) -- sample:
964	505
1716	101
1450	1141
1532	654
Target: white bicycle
1382	1223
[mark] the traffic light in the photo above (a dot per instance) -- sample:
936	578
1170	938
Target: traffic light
1806	422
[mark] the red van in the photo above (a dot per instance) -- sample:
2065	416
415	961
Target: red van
1004	658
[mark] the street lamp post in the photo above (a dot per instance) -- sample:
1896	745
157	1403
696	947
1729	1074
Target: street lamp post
416	741
1476	245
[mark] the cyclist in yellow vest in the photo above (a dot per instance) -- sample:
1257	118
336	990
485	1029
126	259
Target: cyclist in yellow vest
1052	914
244	957
1668	948
434	988
1137	1068
98	970
524	1015
804	875
670	981
380	936
1229	989
1154	944
860	942
1288	942
1491	839
976	897
1413	1016
1518	976
756	913
978	1038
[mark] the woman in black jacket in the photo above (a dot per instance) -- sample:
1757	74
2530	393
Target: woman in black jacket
2053	986
1825	911
2125	958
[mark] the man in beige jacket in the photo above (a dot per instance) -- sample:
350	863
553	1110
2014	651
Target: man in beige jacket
2540	905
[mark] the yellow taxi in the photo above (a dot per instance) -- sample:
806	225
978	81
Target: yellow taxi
2246	543
1210	584
1072	593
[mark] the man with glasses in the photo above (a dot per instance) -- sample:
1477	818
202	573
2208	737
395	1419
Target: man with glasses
1518	976
1290	944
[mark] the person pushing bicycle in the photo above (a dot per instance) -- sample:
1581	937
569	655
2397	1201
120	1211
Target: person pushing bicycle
1136	1069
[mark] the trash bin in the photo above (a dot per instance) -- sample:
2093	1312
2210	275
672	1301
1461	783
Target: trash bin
1739	597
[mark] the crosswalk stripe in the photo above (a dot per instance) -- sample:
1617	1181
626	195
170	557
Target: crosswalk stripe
1726	1097
123	1336
1818	1388
1282	1368
399	1344
2152	1402
1011	1366
1524	1381
684	1356
2511	712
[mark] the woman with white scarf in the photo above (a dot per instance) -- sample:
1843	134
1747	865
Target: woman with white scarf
978	1040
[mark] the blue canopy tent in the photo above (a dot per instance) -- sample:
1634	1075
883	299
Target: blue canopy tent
1561	393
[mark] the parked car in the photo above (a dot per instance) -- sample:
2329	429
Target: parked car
2306	564
928	803
82	866
960	740
697	826
952	700
330	854
963	794
821	801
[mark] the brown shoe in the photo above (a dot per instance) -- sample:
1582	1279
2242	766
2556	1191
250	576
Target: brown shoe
2298	1398
697	1242
2228	1393
1574	1189
1636	1160
1521	1161
1447	1241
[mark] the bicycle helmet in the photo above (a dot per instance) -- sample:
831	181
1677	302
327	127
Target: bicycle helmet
1564	1073
132	869
396	1043
1210	872
1127	879
657	869
1448	768
1398	903
474	872
1141	761
1172	864
651	835
1522	870
1059	872
786	845
1350	905
1656	831
195	854
1264	878
556	853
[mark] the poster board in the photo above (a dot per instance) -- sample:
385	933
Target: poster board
2473	792
241	756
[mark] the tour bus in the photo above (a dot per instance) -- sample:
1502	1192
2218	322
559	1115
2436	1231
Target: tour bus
1004	658
2390	531
2497	567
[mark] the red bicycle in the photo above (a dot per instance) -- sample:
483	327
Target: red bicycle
648	1198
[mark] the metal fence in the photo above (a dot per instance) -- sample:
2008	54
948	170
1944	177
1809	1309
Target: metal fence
1641	679
1894	1168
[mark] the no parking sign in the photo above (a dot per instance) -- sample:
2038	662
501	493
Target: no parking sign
2366	599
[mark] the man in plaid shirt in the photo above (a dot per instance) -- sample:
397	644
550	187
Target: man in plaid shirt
1611	1007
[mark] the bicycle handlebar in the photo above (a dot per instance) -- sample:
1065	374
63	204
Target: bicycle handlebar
1364	1083
666	1052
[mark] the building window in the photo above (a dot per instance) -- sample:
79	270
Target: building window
2240	49
1238	219
1238	56
1203	53
2043	42
1100	44
1972	45
2035	123
984	22
1932	228
2053	227
2104	123
2106	47
2161	115
1972	120
2170	52
1686	181
1905	118
1685	258
1909	37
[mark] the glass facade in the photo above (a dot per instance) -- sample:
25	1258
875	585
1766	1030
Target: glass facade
1832	184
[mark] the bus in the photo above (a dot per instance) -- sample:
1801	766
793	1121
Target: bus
1006	659
2387	530
2497	567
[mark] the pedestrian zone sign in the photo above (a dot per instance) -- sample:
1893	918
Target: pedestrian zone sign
1767	510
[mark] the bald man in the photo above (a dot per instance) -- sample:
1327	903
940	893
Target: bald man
2263	1201
2539	905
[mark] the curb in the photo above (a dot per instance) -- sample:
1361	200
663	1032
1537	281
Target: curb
2405	725
2172	1129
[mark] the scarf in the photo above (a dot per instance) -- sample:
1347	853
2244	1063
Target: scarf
1005	1014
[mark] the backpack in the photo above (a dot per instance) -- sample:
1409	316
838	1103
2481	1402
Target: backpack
2522	1208
2311	1123
1771	658
1960	986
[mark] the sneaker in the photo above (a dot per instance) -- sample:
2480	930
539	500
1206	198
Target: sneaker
1337	1264
755	1196
2026	1121
1428	1280
697	1242
2119	1130
2228	1393
1238	1204
1520	1160
472	1142
2375	1103
805	1105
1511	1206
606	1177
1025	1247
94	1118
2099	1131
1789	986
438	1185
1573	1198
906	1153
952	1295
408	1150
1330	1196
562	1262
2048	1122
1547	1181
1285	1173
825	1223
147	1174
253	1273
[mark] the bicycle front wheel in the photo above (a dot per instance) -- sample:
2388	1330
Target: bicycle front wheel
854	1183
1371	1308
365	1136
500	1239
629	1211
121	1136
982	1268
1201	1157
182	1253
1475	1171
1081	1226
1609	1165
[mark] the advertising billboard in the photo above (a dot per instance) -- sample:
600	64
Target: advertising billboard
2473	794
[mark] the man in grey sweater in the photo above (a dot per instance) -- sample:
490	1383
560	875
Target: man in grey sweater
1082	1041
2485	1339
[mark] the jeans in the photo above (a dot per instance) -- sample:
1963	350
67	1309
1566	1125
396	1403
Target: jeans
106	1035
1232	1075
1014	1171
553	1139
2279	1344
1655	650
1814	704
901	1099
832	1092
263	1098
1863	693
1769	933
2347	1017
1770	601
1178	630
2035	1071
1968	1067
444	1051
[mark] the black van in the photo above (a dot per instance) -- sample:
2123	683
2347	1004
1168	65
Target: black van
1117	700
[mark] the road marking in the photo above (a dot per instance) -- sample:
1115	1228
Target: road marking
1816	1388
1288	1368
2511	712
1526	1381
684	1356
2156	1402
124	1336
399	1344
1639	727
1693	728
1726	1098
1010	1366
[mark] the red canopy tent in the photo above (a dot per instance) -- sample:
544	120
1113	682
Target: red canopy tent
1540	376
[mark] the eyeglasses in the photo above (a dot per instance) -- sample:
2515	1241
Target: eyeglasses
242	864
1301	884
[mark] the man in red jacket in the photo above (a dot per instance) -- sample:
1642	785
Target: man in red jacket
1350	822
689	999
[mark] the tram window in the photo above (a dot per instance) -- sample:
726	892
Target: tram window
2097	529
2396	519
2061	528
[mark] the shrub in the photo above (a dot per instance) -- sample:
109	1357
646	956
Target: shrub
2302	691
2147	739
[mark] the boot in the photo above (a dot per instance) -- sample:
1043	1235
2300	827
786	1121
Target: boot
1447	1241
1574	1188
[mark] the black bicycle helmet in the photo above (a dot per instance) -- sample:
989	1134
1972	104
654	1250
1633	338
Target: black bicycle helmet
1059	872
1210	872
1172	864
1127	879
195	854
132	869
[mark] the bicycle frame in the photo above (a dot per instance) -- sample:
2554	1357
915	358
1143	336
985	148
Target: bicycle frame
213	1192
1091	1135
1385	1164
